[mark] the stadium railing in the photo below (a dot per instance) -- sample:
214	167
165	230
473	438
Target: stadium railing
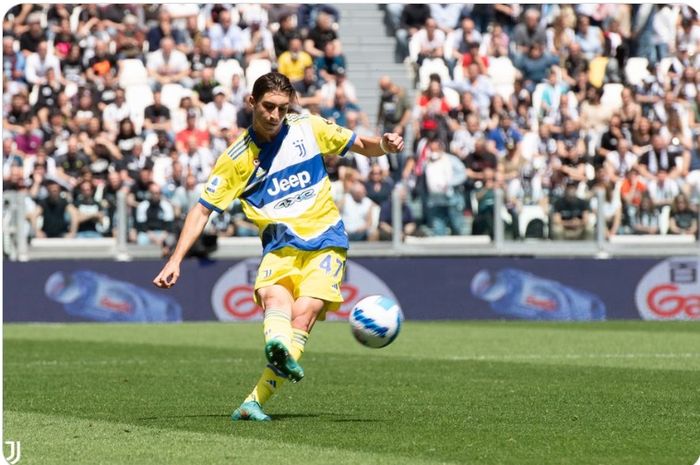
17	245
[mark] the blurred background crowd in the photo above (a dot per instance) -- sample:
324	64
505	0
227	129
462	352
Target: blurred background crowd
549	104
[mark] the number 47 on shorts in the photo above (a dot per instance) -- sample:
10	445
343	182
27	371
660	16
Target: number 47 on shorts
328	266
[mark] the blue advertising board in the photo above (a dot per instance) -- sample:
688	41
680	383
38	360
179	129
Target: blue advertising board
426	288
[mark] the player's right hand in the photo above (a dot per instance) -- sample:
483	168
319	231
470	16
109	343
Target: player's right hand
168	275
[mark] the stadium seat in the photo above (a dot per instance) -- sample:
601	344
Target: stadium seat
432	66
502	74
612	95
225	70
636	70
254	70
132	72
530	213
451	97
170	95
138	97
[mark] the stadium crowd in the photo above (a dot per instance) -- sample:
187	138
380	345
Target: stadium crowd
551	104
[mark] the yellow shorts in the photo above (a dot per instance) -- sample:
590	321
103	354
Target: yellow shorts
315	273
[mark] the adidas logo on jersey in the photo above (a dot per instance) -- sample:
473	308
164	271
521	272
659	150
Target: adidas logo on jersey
302	179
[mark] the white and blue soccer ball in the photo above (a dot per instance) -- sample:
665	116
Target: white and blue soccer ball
375	321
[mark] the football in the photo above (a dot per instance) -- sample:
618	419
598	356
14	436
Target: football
375	321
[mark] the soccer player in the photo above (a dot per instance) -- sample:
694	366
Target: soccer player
276	170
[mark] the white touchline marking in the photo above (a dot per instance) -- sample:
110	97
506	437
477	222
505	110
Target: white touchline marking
118	362
575	356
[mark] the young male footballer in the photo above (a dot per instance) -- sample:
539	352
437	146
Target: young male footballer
276	170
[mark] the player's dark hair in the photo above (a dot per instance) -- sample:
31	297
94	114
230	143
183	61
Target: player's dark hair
272	82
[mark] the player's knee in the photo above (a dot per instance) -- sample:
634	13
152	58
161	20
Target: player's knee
305	312
276	297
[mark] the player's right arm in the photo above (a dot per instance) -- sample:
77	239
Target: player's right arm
194	225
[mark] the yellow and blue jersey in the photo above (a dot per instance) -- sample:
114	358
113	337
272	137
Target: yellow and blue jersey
283	185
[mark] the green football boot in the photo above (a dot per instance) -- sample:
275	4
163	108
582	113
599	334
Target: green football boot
280	358
251	411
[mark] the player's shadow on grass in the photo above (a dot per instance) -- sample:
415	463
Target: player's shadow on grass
331	417
175	417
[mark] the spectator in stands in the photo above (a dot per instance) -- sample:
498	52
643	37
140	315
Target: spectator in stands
167	65
220	113
465	136
377	186
309	91
506	134
662	189
430	42
321	35
479	85
237	91
204	86
115	112
59	216
190	129
445	204
155	220
559	35
110	193
657	158
156	116
165	29
340	107
612	208
495	42
186	195
460	41
529	32
575	66
257	41
595	114
196	159
684	219
534	65
619	161
127	137
101	66
285	33
570	216
130	39
394	111
39	63
589	38
13	62
645	218
386	225
342	82
356	211
446	15
294	60
202	56
89	211
29	139
485	198
35	34
412	18
329	64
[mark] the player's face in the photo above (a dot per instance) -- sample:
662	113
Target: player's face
269	113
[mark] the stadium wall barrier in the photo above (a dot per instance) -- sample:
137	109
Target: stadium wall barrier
426	288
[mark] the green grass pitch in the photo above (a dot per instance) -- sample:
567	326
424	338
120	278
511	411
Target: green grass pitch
612	393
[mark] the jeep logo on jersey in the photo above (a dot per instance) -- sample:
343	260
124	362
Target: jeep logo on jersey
297	198
302	179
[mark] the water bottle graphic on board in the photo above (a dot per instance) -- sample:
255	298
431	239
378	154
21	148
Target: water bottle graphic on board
99	297
524	295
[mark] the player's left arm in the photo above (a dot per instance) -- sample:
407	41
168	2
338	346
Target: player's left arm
377	146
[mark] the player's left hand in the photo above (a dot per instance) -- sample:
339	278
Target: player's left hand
392	142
